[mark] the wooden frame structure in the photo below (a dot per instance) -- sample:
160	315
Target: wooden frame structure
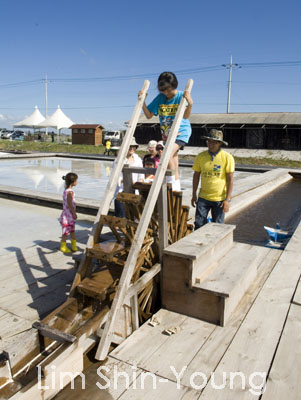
65	335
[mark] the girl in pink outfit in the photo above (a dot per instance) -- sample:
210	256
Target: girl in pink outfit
68	216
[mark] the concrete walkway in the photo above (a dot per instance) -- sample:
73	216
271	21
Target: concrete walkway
35	275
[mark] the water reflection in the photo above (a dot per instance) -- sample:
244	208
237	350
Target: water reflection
45	174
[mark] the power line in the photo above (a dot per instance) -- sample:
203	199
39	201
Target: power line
271	64
195	70
266	83
132	105
24	83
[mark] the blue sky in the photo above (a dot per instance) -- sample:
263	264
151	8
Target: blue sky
90	38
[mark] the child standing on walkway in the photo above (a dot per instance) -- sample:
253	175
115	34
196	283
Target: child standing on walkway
166	105
68	216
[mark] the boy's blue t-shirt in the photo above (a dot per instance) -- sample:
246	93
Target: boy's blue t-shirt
167	109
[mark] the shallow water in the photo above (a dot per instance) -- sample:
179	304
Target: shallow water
283	205
45	175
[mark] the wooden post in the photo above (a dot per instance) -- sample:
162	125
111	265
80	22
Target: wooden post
135	311
127	180
111	186
129	266
163	219
163	225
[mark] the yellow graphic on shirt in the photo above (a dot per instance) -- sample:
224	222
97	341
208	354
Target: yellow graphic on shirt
167	113
216	171
168	110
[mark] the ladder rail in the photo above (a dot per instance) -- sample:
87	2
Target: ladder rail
115	174
111	186
124	283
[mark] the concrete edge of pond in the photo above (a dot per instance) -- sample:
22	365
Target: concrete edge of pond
253	188
52	200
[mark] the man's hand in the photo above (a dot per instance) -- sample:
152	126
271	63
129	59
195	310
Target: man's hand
194	200
187	96
226	205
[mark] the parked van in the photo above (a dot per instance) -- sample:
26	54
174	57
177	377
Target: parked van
115	137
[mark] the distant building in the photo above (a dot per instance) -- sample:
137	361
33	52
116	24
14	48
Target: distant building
243	130
87	134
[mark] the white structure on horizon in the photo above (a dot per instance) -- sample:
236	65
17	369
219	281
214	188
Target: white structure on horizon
32	121
57	120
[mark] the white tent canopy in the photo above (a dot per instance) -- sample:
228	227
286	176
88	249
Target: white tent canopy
32	121
57	120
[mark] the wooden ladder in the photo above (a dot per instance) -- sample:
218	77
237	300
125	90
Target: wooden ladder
125	279
111	186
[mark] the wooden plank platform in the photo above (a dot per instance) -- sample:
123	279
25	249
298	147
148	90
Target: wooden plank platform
284	378
264	324
297	296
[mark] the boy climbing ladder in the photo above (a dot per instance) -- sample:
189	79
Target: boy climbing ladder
166	105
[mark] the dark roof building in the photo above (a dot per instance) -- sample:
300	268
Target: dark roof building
241	130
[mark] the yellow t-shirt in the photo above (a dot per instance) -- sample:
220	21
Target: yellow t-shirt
213	174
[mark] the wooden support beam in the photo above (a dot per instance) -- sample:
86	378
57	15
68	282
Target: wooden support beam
163	219
150	171
127	180
135	312
53	333
141	282
129	267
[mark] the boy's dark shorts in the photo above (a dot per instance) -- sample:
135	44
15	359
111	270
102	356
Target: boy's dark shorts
181	144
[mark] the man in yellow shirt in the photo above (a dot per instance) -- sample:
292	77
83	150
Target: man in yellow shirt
216	169
108	147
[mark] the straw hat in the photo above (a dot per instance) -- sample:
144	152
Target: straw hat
215	134
134	143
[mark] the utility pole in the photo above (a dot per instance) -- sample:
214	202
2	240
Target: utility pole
230	67
46	101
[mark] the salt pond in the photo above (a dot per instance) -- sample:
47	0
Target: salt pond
45	175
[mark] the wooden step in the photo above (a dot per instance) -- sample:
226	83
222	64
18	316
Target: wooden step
199	252
99	285
231	279
107	250
212	295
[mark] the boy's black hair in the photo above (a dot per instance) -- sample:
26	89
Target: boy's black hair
70	178
149	160
167	80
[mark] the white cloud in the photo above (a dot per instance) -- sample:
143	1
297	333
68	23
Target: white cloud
7	121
